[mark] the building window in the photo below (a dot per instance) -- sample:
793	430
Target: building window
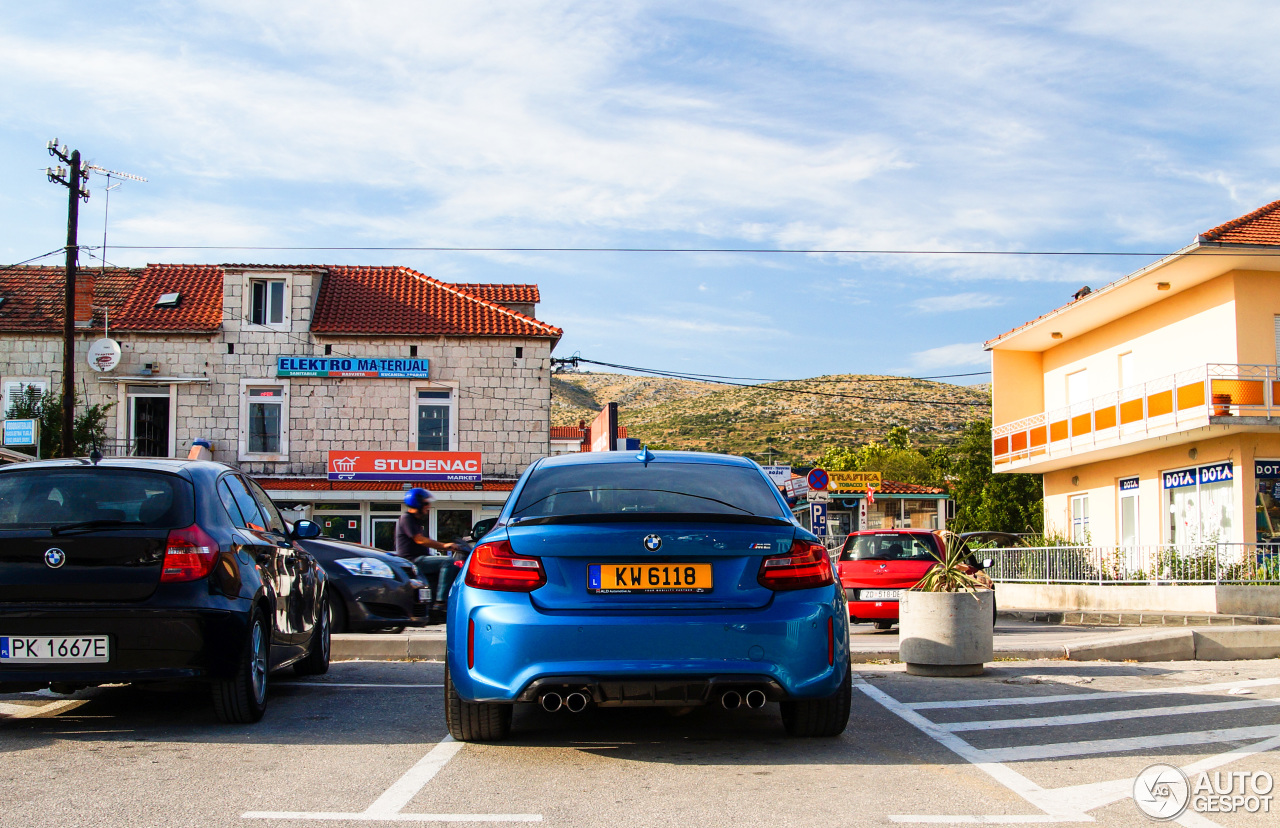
1077	387
434	419
1200	504
264	420
14	387
267	301
1266	482
150	421
1080	519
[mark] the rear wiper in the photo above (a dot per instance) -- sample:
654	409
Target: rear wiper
93	524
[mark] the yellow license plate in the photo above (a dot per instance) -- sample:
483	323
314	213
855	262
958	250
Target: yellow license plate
663	577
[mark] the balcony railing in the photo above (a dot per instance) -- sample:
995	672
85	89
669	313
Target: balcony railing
1161	405
1209	563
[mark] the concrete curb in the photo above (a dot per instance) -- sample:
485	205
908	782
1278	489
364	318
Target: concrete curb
1134	619
1199	644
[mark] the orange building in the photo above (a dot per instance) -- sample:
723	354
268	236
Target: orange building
1150	405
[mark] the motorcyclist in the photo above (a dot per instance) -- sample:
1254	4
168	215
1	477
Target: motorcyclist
432	559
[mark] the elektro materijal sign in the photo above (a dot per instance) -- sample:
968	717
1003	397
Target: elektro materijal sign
406	466
303	366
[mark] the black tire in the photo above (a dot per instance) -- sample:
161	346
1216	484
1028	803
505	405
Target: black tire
338	614
242	699
474	721
316	662
884	625
820	717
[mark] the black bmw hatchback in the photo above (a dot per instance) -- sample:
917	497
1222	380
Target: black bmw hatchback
137	570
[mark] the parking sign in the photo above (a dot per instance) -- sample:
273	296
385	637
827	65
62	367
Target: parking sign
818	518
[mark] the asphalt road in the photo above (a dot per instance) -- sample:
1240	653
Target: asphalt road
1045	742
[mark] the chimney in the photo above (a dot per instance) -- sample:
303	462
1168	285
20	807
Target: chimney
84	298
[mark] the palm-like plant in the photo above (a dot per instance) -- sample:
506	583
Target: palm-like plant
951	573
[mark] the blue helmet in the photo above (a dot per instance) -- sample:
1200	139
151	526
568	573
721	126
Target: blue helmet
417	498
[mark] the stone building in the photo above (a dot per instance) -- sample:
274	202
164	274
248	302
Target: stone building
280	368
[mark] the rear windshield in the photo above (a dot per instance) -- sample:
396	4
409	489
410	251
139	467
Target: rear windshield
43	498
889	547
624	489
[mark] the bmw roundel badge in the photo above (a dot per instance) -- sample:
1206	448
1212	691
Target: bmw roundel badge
652	542
55	557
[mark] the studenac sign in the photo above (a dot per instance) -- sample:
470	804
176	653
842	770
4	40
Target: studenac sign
406	466
352	367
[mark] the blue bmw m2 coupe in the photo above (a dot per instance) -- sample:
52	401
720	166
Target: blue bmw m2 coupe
654	579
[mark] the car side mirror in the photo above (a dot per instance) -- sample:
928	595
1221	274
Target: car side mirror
305	529
987	563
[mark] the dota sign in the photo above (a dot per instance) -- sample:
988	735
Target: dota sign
406	466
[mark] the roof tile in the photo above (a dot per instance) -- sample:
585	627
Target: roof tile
397	300
199	306
33	296
1262	226
502	294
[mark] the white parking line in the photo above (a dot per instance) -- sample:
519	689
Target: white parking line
1088	718
1094	696
1060	749
387	808
1073	804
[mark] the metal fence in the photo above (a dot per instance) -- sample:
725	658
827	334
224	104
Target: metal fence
1209	563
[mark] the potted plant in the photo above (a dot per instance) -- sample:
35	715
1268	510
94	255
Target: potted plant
946	620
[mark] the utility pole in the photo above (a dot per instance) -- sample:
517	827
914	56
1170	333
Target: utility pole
71	180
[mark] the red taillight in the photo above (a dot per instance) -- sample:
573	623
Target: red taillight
496	566
188	554
806	565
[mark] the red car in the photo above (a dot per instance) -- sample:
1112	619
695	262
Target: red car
876	565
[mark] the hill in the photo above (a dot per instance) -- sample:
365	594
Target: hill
845	409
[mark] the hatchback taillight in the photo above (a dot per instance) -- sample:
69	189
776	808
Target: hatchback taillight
806	565
496	566
188	554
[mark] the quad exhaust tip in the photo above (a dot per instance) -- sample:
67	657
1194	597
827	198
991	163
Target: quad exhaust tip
575	702
755	699
551	702
730	700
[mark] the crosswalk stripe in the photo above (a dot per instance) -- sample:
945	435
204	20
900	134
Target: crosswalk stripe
1087	718
1058	750
1093	696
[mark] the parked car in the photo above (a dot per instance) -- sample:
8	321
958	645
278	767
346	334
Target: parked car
652	579
370	589
137	570
876	565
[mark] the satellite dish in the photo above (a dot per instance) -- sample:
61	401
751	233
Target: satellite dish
104	355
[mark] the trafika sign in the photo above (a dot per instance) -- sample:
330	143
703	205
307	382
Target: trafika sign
104	355
406	466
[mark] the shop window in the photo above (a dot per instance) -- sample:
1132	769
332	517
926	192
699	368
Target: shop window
1080	519
267	304
264	420
434	419
1200	504
452	524
1266	477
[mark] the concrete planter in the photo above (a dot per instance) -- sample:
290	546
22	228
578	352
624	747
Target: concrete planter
946	633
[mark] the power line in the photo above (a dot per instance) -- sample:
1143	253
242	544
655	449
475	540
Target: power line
34	259
750	250
778	390
708	377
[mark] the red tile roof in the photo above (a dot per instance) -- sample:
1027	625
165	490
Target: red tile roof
566	433
397	300
1262	226
33	296
502	294
320	484
199	305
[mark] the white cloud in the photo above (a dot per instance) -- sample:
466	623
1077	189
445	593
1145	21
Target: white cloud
957	302
960	355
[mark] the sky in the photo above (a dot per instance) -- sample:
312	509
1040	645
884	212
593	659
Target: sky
921	126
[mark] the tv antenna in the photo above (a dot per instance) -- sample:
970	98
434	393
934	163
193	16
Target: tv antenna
106	207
